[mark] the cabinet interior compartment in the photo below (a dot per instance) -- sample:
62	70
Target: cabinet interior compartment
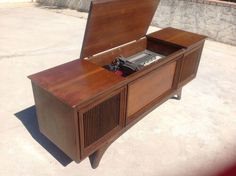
134	50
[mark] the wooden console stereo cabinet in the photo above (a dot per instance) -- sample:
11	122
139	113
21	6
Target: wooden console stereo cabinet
82	107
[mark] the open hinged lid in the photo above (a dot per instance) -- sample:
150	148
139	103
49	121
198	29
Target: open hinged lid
112	23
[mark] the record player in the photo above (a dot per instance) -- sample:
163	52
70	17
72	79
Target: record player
122	74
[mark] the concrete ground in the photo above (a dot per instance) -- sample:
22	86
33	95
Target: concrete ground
192	137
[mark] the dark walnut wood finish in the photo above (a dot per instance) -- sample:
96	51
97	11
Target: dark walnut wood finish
83	108
113	23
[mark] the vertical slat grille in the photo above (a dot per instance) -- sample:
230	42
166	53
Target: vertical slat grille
101	119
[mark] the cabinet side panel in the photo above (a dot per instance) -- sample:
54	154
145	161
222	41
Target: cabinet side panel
56	121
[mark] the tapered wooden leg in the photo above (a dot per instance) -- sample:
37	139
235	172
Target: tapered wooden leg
96	157
178	95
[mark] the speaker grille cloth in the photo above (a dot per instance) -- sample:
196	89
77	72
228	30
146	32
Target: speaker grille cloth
101	119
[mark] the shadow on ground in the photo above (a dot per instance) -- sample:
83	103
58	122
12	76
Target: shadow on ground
59	5
51	7
29	120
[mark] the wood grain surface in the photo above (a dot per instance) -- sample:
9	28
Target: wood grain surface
177	37
76	81
149	87
57	121
115	22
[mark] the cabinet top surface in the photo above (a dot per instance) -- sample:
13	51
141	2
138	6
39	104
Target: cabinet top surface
75	82
112	23
177	37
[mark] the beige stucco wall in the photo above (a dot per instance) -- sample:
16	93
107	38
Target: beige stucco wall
11	1
82	5
213	18
210	18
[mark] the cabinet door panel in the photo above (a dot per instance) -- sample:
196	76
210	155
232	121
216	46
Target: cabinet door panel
190	65
151	86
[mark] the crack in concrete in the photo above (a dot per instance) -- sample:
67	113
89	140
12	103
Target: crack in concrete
39	52
11	56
